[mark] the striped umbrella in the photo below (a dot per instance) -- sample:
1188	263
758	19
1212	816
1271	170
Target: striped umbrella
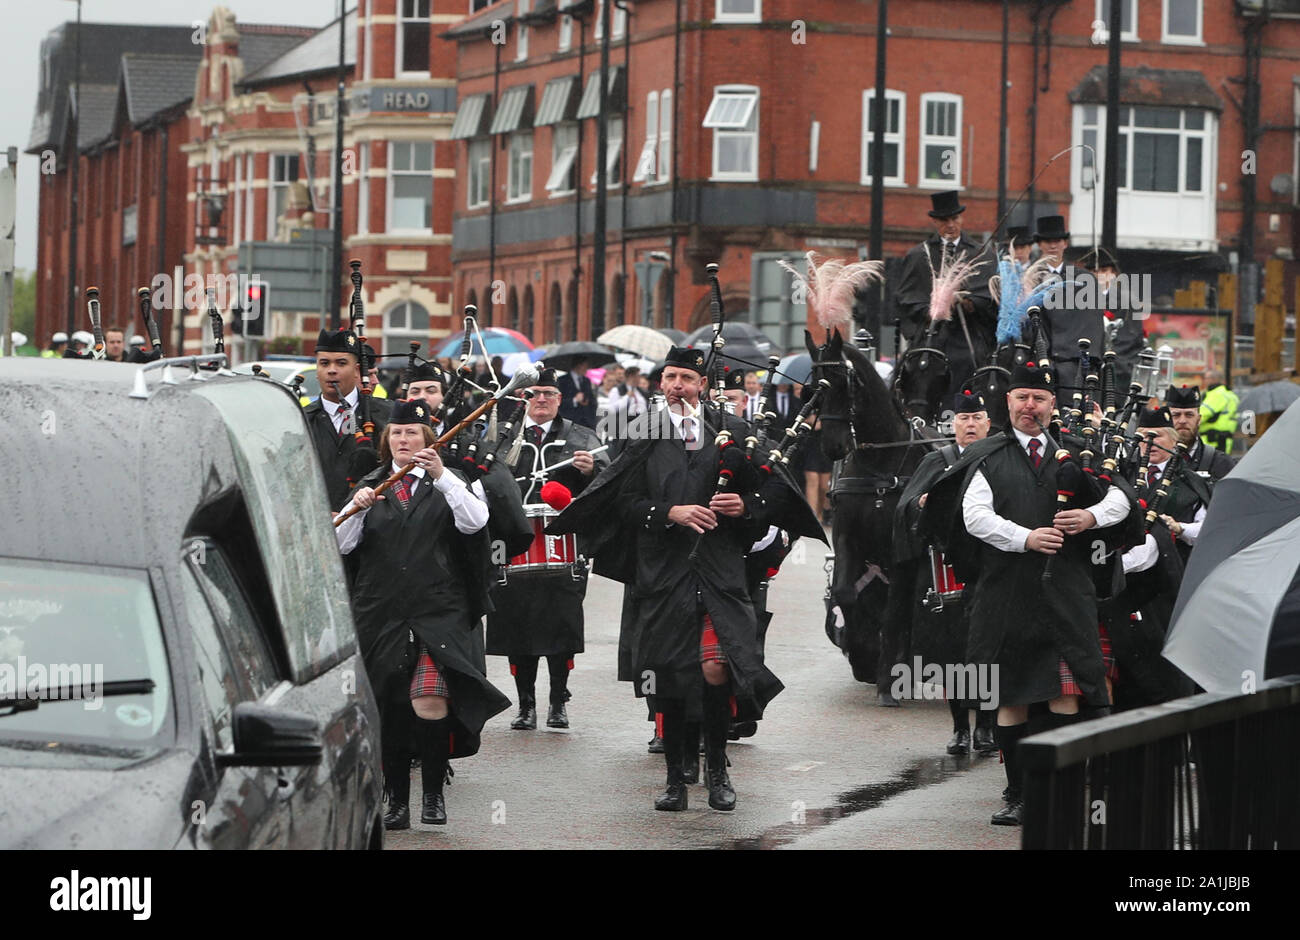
500	342
1237	618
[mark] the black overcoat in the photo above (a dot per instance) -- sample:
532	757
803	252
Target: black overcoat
624	514
416	574
540	613
335	453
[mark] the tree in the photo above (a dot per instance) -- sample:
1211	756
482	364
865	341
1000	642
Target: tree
24	319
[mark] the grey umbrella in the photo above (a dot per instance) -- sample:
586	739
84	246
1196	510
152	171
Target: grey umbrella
1268	397
1237	617
735	333
795	368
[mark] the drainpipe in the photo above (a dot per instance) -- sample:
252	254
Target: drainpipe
492	190
669	313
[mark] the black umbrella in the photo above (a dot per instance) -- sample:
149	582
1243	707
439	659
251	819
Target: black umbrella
677	336
566	354
737	333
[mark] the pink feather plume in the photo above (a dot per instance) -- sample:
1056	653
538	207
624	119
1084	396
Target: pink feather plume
946	284
831	286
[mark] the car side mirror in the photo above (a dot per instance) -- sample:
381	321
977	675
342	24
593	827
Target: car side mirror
272	737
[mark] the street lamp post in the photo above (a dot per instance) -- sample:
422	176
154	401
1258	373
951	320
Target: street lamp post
336	294
75	158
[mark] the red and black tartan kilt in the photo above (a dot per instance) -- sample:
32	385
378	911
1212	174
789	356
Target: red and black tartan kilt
1069	686
710	646
427	680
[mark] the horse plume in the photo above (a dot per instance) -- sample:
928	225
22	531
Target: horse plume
945	286
1006	287
832	285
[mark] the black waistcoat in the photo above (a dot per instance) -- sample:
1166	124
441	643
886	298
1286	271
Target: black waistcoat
1019	621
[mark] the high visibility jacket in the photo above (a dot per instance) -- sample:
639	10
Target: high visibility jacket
1219	417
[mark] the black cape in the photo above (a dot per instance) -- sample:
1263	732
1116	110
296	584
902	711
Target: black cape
335	453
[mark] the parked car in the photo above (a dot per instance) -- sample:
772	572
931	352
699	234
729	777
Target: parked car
171	561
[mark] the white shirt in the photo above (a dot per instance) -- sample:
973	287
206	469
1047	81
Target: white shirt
751	406
1141	557
530	423
782	402
677	420
468	508
332	408
1191	530
1007	536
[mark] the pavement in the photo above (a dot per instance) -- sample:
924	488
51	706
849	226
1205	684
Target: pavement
828	769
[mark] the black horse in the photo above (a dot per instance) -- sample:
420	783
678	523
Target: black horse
877	448
921	379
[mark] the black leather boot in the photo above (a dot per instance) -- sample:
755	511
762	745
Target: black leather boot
717	719
1008	737
397	781
558	716
525	673
985	742
395	757
673	799
691	748
432	737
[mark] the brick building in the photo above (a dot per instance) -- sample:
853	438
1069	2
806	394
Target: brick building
739	134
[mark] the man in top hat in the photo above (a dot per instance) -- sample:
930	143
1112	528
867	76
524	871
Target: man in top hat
345	425
1063	322
1052	238
1043	640
1184	406
1129	335
657	521
976	314
540	613
937	633
1020	245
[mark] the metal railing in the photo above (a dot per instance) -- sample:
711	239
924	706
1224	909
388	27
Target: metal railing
1211	771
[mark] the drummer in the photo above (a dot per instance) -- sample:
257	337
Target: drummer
539	612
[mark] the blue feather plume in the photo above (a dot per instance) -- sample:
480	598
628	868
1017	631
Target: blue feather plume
1009	315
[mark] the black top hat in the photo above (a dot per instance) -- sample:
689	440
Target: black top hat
1156	418
967	402
344	341
1031	375
1099	258
415	411
735	379
1018	234
1051	226
546	379
685	357
1184	397
946	204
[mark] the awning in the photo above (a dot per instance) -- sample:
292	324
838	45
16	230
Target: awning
471	118
515	111
558	100
730	110
1162	88
590	106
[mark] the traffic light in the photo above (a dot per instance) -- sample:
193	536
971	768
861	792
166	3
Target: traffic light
257	296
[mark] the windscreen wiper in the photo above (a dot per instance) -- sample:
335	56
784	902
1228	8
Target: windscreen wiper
68	693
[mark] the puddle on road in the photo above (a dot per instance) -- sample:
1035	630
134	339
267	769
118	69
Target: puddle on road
918	775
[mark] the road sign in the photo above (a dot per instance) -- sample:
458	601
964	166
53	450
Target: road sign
299	269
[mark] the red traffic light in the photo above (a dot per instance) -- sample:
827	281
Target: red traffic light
255	292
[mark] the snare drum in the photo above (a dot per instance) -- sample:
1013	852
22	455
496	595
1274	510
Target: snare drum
945	586
548	552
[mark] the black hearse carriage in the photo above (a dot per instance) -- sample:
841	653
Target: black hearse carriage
178	666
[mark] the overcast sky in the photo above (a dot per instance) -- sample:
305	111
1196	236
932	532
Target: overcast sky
27	22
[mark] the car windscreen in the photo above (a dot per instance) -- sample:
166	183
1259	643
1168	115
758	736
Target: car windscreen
70	637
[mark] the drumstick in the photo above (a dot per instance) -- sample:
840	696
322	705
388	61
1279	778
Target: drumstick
537	474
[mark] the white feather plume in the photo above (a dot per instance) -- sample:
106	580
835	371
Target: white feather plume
831	286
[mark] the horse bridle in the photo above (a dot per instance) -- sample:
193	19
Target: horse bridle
917	352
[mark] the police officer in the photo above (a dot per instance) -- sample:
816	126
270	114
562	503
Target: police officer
1218	412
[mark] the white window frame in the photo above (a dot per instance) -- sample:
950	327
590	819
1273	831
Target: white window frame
1174	39
363	187
930	140
521	30
898	137
664	164
392	177
754	17
1128	35
620	21
613	155
724	131
273	186
564	151
565	42
478	154
514	193
398	55
398	339
647	170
